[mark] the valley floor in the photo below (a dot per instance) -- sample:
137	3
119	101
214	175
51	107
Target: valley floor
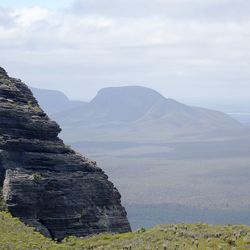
16	236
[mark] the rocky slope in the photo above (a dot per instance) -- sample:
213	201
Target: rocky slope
46	184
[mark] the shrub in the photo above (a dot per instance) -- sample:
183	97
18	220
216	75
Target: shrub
37	177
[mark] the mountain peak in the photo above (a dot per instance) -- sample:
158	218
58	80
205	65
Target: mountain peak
134	90
124	103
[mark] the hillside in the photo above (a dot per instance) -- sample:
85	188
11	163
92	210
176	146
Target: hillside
15	235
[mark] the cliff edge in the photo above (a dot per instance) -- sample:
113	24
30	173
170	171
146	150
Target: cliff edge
45	183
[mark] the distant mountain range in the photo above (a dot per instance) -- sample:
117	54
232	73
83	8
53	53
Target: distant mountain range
131	113
120	104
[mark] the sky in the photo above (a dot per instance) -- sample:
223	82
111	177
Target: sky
189	50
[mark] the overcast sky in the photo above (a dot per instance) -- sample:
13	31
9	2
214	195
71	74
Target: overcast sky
185	49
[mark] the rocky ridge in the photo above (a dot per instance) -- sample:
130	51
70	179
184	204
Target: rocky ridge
45	183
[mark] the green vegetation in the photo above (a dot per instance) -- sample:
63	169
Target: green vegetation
15	235
5	80
33	107
2	202
37	177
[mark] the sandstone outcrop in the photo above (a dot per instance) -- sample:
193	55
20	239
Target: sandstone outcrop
45	183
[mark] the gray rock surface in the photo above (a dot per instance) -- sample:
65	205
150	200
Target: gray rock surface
45	183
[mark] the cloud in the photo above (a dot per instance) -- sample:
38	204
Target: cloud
181	48
181	9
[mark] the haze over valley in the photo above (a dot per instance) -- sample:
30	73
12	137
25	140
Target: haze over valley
165	157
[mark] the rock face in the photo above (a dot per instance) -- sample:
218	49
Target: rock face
45	183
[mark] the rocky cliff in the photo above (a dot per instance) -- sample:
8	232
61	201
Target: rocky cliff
45	183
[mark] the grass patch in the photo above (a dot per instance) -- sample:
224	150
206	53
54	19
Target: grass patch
15	235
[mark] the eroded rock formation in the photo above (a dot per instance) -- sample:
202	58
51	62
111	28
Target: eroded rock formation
45	183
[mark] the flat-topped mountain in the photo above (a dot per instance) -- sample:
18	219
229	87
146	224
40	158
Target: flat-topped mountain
123	104
45	183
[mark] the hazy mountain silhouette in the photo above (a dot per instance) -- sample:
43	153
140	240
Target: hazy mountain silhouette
53	101
136	104
114	104
175	114
137	112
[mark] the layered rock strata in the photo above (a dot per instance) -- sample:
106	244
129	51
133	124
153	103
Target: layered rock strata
45	183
